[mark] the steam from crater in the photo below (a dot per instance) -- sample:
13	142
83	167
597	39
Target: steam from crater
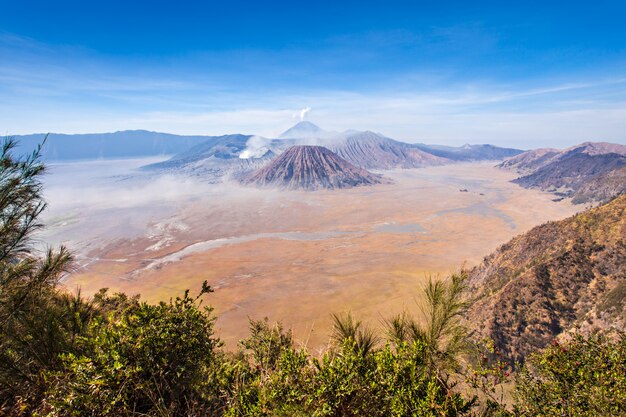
304	112
256	147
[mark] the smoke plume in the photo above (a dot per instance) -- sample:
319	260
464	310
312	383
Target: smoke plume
304	112
256	147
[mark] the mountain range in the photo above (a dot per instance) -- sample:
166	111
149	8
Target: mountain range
469	152
214	158
589	172
238	155
584	171
123	144
373	150
141	143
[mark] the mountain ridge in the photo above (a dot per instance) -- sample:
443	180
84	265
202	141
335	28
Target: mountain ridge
566	172
469	152
119	144
371	150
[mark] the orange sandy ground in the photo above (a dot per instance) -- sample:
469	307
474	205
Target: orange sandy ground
372	273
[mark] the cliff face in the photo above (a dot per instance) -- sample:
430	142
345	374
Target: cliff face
311	168
557	277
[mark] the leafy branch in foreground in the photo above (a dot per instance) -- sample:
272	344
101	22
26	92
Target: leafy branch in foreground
442	329
347	329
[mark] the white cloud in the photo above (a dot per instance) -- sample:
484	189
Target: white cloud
417	118
85	98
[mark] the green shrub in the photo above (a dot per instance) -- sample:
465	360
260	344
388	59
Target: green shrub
582	377
153	359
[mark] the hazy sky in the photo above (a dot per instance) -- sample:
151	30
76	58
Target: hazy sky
439	72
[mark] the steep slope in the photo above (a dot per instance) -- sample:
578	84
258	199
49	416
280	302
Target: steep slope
571	171
311	168
373	151
560	275
602	188
530	161
565	172
598	148
470	152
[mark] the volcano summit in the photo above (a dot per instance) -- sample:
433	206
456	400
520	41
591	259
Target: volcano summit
311	168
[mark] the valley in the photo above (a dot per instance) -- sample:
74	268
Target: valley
294	256
338	209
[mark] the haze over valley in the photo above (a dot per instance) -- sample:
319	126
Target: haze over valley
158	225
329	209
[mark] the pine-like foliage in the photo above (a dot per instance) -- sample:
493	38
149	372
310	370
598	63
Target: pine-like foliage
441	329
36	322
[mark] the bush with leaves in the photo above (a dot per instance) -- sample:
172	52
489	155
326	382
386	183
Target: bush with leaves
585	376
152	360
252	367
406	376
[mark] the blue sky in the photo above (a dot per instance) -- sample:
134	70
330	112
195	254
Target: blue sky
528	75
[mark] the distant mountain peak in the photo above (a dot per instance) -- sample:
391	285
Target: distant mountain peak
305	124
303	130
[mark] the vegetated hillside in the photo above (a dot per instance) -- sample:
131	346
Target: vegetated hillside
124	144
565	172
602	188
311	168
554	278
469	152
370	150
